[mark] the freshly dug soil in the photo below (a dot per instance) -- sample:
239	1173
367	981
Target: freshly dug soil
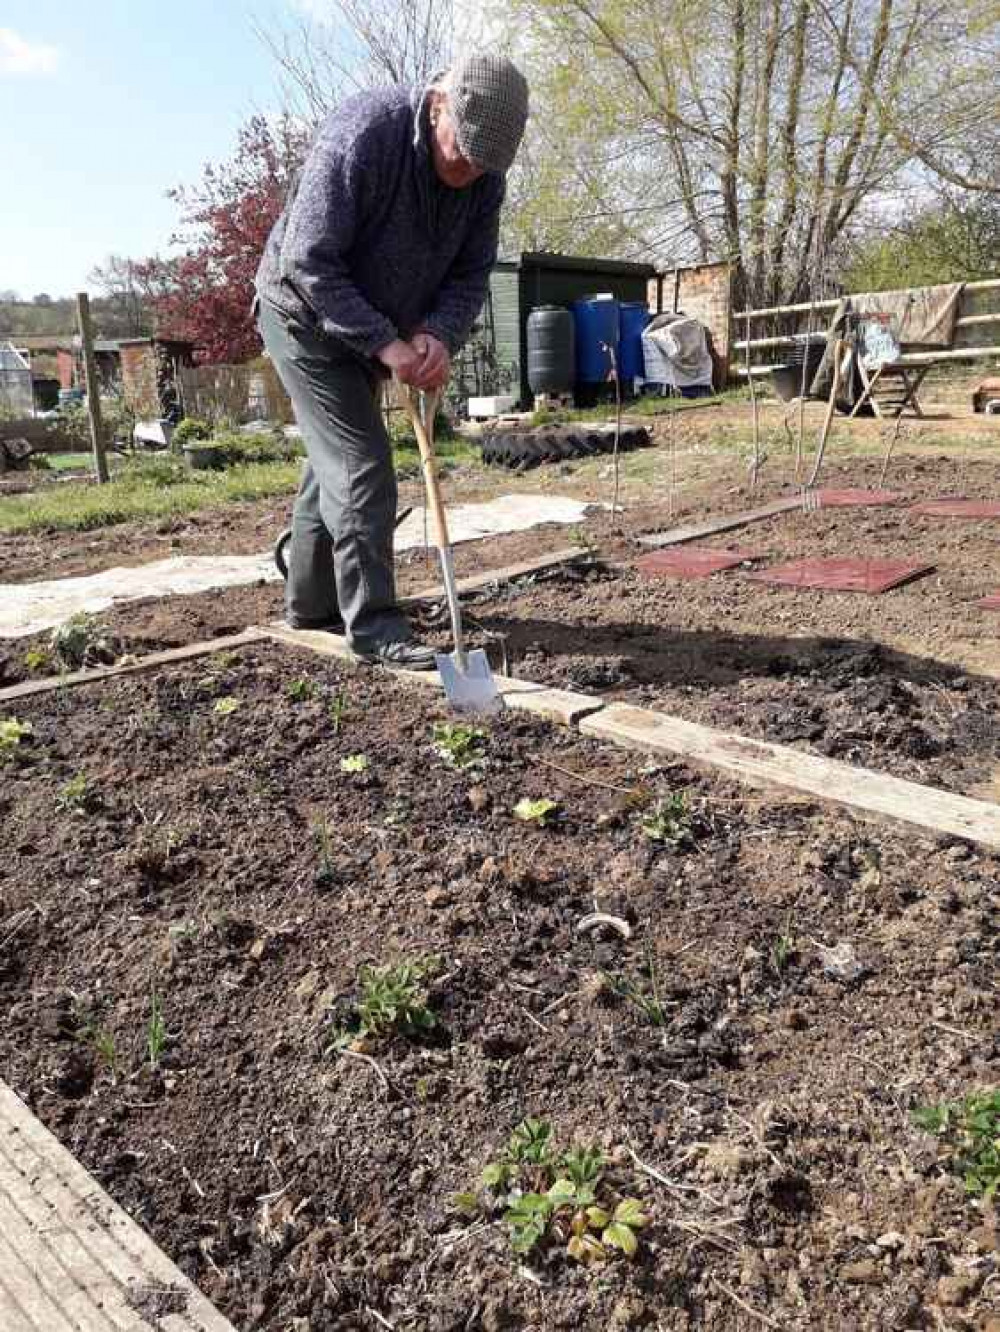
889	681
223	862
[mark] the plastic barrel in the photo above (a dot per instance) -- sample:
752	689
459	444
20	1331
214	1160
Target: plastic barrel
596	325
633	318
551	350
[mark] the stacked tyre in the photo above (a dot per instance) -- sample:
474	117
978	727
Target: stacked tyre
522	449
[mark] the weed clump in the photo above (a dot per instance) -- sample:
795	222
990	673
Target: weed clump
970	1132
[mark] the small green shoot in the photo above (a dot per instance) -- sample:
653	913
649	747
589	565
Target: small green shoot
326	870
103	1042
644	996
970	1130
354	763
548	1198
77	795
669	822
225	707
156	1031
783	948
301	690
12	732
339	711
540	812
461	746
38	659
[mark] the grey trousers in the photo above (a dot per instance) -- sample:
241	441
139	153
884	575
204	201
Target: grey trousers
341	559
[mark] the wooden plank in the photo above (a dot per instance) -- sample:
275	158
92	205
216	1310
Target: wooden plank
150	662
762	764
70	1257
727	523
568	555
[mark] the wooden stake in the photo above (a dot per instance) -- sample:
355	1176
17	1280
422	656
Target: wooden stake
93	386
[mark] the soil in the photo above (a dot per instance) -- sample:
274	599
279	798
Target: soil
905	682
312	1191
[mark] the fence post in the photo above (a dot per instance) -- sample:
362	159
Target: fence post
93	386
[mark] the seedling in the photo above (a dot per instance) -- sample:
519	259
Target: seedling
669	822
101	1039
394	1001
970	1130
37	659
77	795
12	732
541	812
224	707
552	1199
783	948
354	763
300	690
83	641
156	1031
461	746
645	998
326	871
339	711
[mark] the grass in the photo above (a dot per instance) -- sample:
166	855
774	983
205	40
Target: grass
85	506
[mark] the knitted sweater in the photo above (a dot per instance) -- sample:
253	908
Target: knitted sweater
373	246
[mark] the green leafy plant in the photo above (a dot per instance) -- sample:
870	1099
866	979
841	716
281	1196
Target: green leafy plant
354	763
300	690
547	1198
970	1130
541	812
37	659
189	430
393	1000
83	641
669	823
156	1031
339	711
77	795
12	732
461	746
225	707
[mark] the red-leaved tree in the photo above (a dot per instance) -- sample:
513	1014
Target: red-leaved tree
205	293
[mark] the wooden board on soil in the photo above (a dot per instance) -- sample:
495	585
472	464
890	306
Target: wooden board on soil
201	861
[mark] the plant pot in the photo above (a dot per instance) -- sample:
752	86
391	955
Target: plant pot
203	456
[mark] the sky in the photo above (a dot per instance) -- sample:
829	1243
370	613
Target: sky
103	107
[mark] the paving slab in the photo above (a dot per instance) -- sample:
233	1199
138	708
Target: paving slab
842	575
992	602
958	508
71	1260
761	764
855	497
690	562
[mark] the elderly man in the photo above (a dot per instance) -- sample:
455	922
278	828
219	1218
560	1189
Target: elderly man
379	265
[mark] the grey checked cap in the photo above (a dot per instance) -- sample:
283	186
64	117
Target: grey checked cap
488	95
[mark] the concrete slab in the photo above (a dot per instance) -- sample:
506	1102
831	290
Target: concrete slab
70	1259
30	608
690	562
842	575
759	763
958	508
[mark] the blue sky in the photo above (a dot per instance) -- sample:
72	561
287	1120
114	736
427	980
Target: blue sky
104	107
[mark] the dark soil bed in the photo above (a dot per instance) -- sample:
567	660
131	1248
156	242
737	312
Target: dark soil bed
216	864
899	682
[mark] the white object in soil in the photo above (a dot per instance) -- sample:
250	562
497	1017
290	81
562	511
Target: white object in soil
30	608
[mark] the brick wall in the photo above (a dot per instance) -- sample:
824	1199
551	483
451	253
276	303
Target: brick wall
706	294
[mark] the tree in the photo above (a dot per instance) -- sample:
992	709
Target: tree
348	45
950	240
757	130
204	295
125	310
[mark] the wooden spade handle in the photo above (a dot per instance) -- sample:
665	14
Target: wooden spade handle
423	428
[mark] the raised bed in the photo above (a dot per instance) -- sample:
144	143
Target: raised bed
217	856
905	682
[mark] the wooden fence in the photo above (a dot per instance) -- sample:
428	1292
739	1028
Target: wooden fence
237	393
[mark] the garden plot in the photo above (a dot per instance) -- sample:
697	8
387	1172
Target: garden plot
905	682
289	962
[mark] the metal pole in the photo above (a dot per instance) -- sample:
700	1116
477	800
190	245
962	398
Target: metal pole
93	386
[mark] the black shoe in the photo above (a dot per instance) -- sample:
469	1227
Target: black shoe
404	653
326	626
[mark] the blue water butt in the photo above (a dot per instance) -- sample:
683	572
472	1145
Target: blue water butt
596	324
633	318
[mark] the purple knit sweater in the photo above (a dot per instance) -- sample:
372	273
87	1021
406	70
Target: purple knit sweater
373	246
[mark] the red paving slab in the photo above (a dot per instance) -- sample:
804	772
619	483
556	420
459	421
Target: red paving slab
871	576
992	602
854	497
690	562
958	508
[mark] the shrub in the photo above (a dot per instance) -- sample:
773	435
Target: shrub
189	430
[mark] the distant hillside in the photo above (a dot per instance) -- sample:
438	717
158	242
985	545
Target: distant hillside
58	316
